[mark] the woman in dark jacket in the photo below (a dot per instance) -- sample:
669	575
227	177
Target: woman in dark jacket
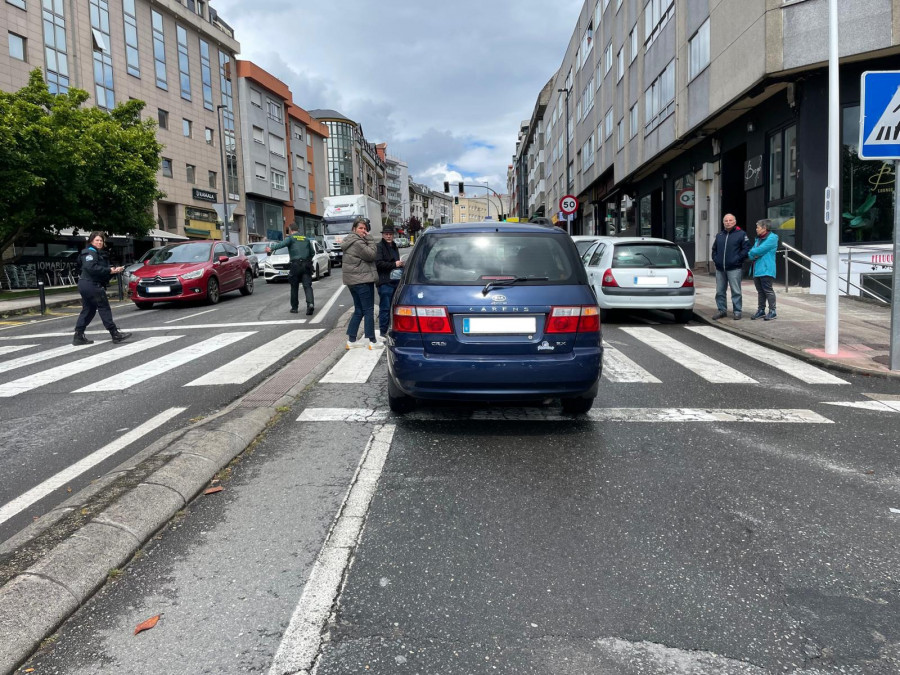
95	274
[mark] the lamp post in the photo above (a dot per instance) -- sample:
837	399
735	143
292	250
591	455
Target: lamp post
487	198
224	175
566	91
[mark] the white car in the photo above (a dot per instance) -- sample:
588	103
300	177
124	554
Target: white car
583	241
640	273
278	264
259	249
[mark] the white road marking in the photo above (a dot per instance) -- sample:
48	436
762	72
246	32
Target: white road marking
9	349
320	314
619	368
698	362
51	375
152	369
136	312
66	475
303	638
655	415
803	371
41	356
355	366
254	362
185	318
878	406
151	329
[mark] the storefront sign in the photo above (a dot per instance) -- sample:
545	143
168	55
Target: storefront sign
205	195
753	177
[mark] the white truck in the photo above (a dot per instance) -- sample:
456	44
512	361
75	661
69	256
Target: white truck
340	212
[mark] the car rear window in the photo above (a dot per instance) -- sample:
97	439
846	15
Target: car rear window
473	258
647	255
260	247
583	245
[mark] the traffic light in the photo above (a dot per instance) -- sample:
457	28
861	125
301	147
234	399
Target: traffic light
461	187
456	200
446	186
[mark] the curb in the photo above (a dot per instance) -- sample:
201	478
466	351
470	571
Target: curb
18	311
64	557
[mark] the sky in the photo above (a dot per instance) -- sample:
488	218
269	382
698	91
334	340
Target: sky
444	84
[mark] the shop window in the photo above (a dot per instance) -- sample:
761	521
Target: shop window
782	183
684	209
644	215
867	189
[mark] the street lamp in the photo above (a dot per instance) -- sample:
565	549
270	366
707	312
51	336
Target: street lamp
224	175
566	91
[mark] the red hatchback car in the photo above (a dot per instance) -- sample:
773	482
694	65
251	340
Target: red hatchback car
191	270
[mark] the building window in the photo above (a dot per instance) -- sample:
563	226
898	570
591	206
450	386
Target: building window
17	3
209	136
699	50
656	15
184	64
103	68
608	123
633	40
659	98
620	134
230	181
163	118
206	75
607	58
187	128
190	170
159	49
212	179
278	181
301	192
17	47
782	184
644	215
261	171
57	61
132	57
867	187
273	110
259	135
587	153
620	64
256	98
633	121
166	167
276	145
301	163
298	133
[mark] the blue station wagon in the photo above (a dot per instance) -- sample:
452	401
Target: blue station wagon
494	312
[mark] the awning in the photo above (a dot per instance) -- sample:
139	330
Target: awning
162	234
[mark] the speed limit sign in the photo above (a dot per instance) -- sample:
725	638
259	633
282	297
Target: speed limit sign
568	204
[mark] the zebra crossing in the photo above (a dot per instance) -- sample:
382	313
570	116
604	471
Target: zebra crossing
153	356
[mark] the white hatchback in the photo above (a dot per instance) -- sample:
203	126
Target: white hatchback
278	264
640	273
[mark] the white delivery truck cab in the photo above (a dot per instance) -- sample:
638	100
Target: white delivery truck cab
340	212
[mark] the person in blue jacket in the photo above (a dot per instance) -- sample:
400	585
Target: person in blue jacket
763	256
95	274
729	252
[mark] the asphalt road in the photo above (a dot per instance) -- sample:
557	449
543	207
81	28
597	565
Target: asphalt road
87	402
664	533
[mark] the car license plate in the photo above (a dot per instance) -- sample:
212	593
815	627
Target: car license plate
283	273
651	281
499	325
159	289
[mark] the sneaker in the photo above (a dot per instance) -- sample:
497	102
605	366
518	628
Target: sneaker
352	344
760	313
719	315
771	315
737	316
294	310
372	345
309	310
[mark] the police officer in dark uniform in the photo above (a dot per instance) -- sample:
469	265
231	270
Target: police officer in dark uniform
95	274
301	252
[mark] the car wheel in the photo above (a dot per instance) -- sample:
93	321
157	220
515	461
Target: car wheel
316	275
399	402
212	291
328	273
247	288
683	315
143	305
577	406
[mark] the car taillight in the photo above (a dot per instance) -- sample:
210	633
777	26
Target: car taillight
584	319
421	319
609	279
689	280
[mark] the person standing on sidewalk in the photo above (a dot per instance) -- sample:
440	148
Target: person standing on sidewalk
386	261
763	256
359	275
95	274
301	252
729	251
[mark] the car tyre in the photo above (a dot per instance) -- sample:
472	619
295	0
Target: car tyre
328	273
399	402
212	291
247	288
577	406
683	315
316	273
143	305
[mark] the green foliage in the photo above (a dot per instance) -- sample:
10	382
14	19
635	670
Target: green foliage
389	221
63	164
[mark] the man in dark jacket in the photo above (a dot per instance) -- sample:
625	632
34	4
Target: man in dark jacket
387	259
729	252
301	253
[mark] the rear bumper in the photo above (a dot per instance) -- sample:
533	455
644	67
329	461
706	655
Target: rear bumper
627	298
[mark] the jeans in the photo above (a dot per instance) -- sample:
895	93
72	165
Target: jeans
385	295
301	272
363	307
764	292
731	278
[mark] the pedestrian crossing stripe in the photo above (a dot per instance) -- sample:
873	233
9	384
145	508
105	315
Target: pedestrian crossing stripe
637	415
37	357
154	329
9	349
619	368
355	366
878	406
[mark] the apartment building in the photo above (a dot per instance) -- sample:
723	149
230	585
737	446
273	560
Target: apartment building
440	208
396	175
284	149
178	58
666	114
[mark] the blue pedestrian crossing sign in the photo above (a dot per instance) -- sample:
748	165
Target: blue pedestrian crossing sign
879	119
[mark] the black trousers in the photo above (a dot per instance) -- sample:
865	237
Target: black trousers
764	292
93	300
301	271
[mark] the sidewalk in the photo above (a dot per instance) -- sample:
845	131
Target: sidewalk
864	330
32	304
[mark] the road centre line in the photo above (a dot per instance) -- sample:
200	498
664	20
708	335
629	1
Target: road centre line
150	329
320	315
184	318
66	475
302	640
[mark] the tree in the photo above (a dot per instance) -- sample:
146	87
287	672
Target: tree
413	224
65	165
389	221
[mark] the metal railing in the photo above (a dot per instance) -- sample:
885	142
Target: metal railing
787	250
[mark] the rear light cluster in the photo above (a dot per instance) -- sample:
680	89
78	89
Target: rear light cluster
609	280
421	320
582	319
688	280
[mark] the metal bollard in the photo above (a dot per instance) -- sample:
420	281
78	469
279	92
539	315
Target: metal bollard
121	287
43	298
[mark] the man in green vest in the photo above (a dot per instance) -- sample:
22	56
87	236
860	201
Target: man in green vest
301	252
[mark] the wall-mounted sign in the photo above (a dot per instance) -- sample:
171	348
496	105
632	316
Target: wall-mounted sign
205	195
685	197
753	177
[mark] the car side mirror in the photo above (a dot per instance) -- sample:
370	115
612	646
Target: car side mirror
223	258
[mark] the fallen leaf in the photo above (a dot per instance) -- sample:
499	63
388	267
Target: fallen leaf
29	670
147	625
213	490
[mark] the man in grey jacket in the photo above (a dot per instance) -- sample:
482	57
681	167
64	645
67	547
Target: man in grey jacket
359	275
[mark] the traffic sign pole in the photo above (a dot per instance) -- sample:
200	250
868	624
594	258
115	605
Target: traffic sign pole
833	231
895	286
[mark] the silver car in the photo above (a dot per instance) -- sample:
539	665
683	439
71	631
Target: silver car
278	264
252	257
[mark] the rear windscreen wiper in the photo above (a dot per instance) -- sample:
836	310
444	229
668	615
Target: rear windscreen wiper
509	282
